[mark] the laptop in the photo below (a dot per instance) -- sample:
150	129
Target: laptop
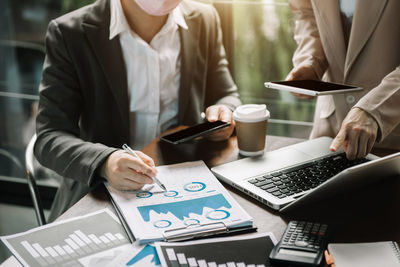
306	172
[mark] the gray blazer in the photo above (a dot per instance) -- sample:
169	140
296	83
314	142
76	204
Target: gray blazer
84	106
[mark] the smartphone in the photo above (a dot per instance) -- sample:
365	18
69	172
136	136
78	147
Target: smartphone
312	87
194	131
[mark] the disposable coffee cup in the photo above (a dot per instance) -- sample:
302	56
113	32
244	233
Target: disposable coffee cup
251	127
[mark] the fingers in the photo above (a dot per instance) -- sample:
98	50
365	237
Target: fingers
291	76
305	72
357	134
301	96
362	145
127	185
352	147
371	142
348	139
222	113
138	165
136	176
339	140
302	73
222	134
123	170
212	113
149	161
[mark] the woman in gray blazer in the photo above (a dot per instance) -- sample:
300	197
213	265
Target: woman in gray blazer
83	117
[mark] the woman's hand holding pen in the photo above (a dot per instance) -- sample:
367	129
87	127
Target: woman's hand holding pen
126	172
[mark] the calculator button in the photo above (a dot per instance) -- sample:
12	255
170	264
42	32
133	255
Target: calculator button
301	243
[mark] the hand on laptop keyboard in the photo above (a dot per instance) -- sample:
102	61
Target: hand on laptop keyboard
357	134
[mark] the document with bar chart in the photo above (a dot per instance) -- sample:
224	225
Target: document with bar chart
138	256
245	251
195	198
91	240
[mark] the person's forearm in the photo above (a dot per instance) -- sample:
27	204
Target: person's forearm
309	50
383	103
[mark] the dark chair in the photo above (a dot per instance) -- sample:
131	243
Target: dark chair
33	189
11	160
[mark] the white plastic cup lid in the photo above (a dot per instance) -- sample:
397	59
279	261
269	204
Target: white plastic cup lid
251	113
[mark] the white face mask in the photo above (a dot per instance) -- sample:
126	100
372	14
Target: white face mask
158	7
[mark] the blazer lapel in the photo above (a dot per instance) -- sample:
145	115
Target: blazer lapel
109	55
331	24
189	46
366	17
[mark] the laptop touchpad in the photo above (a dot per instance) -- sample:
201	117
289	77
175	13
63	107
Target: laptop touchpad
271	161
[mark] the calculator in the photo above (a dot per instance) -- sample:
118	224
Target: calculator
302	244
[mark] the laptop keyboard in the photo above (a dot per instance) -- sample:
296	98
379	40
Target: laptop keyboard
301	178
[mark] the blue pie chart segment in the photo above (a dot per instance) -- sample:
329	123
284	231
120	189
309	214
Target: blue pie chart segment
162	223
218	215
171	193
144	194
194	186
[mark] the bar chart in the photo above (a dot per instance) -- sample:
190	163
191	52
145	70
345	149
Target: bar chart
220	252
63	244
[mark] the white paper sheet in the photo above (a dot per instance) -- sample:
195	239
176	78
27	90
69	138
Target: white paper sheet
194	196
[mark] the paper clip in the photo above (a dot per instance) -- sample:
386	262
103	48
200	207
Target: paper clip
195	230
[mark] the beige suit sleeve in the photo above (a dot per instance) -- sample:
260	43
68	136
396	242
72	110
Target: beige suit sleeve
309	50
383	103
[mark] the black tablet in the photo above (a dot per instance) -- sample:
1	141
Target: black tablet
312	87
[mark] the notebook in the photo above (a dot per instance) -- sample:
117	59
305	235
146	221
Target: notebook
274	178
374	254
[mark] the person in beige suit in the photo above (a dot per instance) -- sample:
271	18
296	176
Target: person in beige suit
115	71
358	43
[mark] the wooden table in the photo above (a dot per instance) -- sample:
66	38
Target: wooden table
370	214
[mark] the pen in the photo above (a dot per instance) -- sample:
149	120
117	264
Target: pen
130	151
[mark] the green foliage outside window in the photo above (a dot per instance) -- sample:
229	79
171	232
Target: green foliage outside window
263	49
68	5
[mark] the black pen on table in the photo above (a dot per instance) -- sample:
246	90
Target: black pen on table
130	151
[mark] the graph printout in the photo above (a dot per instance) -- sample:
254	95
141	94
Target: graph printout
136	255
250	250
194	197
91	240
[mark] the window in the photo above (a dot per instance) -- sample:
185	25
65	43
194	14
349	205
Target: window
23	25
258	37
